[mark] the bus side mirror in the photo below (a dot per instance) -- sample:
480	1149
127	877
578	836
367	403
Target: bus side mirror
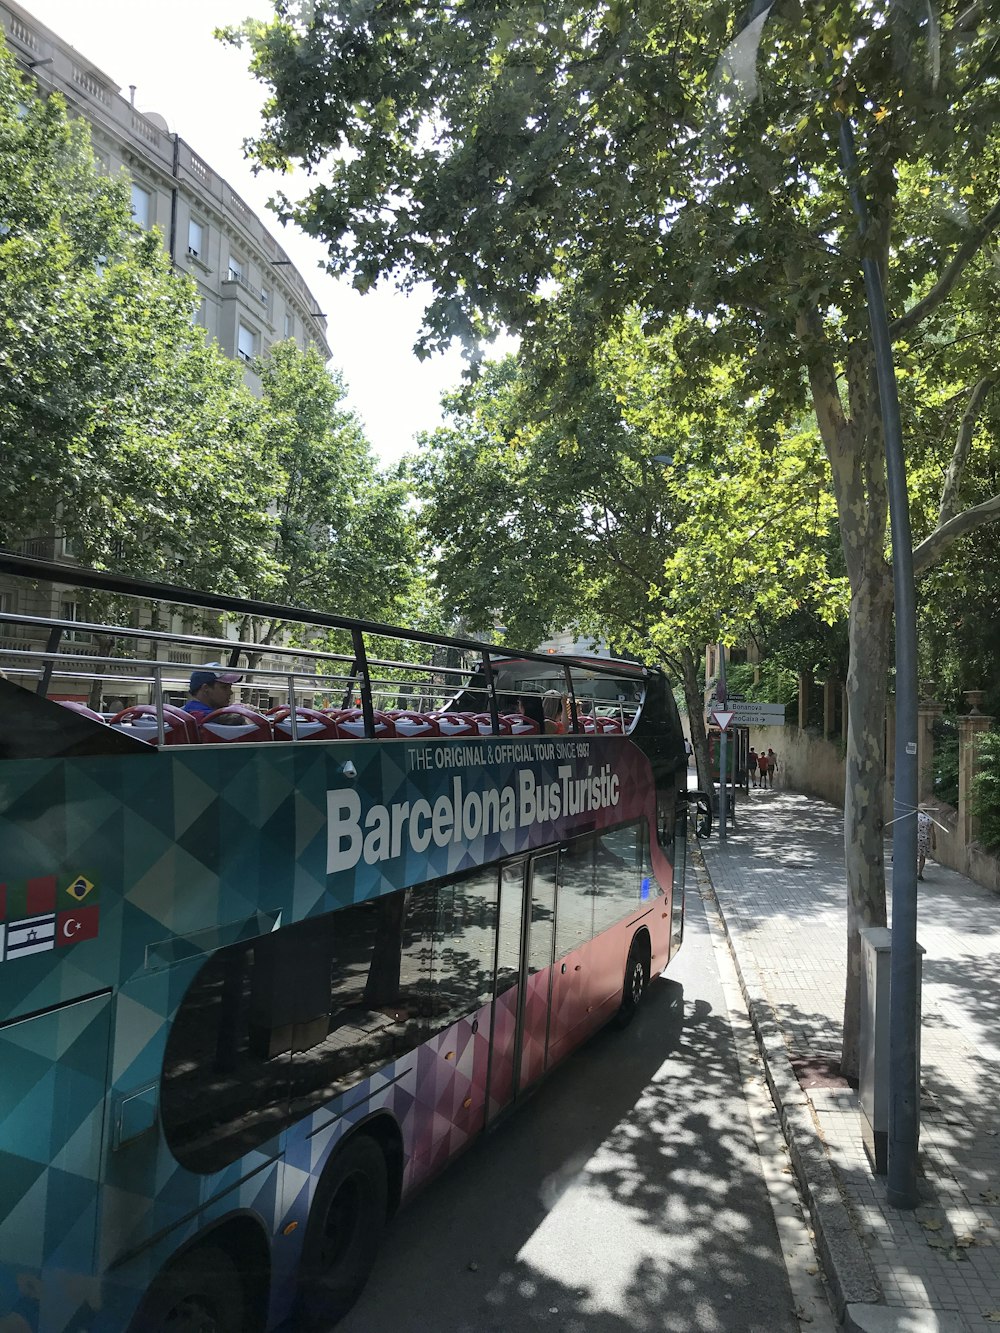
703	828
700	805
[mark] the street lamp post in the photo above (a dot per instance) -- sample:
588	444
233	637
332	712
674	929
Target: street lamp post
904	992
722	694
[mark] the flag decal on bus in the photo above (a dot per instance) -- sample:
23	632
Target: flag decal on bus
33	924
80	887
72	927
33	935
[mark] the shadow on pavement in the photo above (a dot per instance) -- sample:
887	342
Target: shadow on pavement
623	1196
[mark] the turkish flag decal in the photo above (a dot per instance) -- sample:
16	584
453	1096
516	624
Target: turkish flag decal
80	924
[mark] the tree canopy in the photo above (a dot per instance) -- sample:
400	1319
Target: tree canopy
552	166
650	517
344	539
125	430
119	424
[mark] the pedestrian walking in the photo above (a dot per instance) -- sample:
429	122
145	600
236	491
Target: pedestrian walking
772	764
762	767
926	839
752	765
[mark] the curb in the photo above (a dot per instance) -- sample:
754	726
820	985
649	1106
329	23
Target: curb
854	1287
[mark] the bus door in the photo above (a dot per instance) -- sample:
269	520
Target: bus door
525	937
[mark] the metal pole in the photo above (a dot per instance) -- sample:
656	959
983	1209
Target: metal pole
722	694
904	1003
732	771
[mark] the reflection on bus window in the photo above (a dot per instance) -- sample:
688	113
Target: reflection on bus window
619	875
602	878
511	912
271	1030
576	896
464	939
543	913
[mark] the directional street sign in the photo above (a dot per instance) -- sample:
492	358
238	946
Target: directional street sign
743	713
758	715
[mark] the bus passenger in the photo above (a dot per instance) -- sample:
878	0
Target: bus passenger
530	706
209	691
552	707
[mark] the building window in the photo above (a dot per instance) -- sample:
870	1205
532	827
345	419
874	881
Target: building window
289	324
196	239
72	611
265	295
235	269
246	343
142	206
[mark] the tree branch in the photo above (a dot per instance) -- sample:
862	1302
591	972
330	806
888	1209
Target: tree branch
965	253
960	456
928	552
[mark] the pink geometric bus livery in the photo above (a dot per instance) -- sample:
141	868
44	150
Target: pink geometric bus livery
262	975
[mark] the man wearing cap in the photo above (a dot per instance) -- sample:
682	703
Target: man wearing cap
209	690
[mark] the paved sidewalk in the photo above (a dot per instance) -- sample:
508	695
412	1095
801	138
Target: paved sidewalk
779	885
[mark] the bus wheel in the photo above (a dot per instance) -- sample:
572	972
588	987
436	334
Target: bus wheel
636	981
346	1222
201	1293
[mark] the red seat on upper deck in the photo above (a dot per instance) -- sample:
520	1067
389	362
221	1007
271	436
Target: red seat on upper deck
234	724
609	724
455	724
311	724
484	724
139	720
351	722
75	706
521	725
408	723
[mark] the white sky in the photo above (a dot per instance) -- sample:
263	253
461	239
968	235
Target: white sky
205	94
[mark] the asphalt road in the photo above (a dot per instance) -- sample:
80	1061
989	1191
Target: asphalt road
625	1195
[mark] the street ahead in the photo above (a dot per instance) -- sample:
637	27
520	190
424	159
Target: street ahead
627	1194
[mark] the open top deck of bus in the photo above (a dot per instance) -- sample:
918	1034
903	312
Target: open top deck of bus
324	677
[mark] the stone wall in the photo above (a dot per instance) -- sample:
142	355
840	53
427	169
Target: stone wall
806	763
816	765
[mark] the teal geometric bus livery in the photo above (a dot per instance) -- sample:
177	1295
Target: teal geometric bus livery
264	972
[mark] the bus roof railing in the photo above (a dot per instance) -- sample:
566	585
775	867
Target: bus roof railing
74	576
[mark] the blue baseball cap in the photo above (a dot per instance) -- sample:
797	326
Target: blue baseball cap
206	676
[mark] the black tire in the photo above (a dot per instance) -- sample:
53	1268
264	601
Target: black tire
201	1293
634	988
346	1222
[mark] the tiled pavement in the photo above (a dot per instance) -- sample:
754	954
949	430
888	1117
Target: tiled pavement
779	886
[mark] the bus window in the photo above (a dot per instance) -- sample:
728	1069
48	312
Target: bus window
272	1029
543	900
509	938
618	874
575	923
464	935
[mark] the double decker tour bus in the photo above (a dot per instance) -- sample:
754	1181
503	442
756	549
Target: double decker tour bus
264	971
